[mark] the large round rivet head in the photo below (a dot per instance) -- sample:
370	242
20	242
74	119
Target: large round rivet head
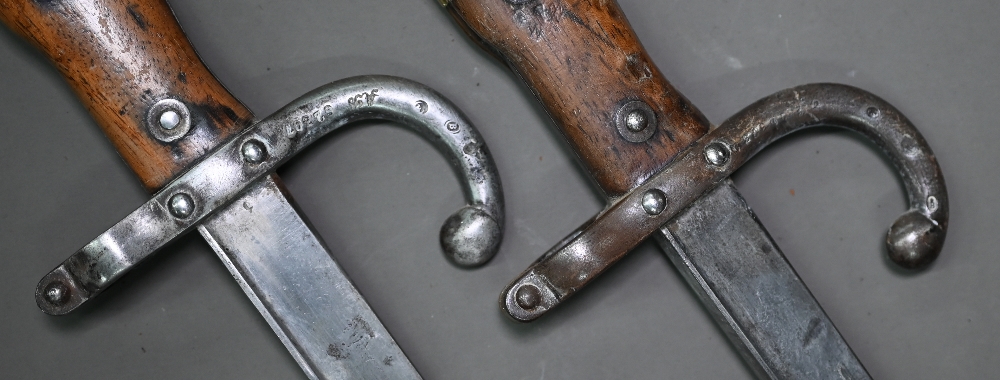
717	154
57	293
253	151
528	296
635	121
181	205
654	202
168	120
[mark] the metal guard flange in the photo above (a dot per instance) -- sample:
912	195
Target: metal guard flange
914	240
470	237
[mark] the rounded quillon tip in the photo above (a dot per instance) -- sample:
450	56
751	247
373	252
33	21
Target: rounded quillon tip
914	241
470	237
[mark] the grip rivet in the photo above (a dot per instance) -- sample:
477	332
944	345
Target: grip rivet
635	121
168	120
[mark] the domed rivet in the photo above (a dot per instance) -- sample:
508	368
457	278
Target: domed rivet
654	202
57	293
181	205
717	154
253	151
528	296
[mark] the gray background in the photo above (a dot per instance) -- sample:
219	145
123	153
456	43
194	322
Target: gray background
377	194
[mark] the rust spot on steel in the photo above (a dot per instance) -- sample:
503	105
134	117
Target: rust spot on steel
334	351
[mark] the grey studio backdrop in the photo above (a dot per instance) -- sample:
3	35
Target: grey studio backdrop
377	194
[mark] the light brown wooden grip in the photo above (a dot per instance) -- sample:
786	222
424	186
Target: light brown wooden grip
121	57
583	61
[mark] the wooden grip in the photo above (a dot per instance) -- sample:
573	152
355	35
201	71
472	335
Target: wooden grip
121	58
584	62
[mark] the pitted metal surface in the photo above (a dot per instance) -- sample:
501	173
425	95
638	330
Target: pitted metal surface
470	237
300	288
751	290
914	240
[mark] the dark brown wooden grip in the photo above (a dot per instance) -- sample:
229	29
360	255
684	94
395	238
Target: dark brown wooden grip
584	62
121	58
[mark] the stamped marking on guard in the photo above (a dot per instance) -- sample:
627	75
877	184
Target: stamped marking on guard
364	98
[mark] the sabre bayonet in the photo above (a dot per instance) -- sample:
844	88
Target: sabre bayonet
212	166
664	172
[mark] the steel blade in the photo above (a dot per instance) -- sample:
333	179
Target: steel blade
289	275
745	282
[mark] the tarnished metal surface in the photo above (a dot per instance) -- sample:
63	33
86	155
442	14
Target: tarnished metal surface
280	263
470	237
748	286
915	238
934	61
300	290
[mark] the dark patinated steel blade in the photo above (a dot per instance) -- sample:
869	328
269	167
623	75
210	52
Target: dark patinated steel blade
744	280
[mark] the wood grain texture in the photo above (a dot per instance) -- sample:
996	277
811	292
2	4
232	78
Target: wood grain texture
121	57
583	61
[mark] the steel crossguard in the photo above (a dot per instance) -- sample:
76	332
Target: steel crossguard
913	241
664	172
470	237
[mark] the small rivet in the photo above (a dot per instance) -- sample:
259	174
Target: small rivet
57	293
654	202
181	205
253	151
169	119
717	154
636	121
528	296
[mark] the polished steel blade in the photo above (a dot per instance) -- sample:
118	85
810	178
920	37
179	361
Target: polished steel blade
288	274
753	293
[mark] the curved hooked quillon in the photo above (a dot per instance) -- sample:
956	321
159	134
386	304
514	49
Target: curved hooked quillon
470	237
913	241
916	237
